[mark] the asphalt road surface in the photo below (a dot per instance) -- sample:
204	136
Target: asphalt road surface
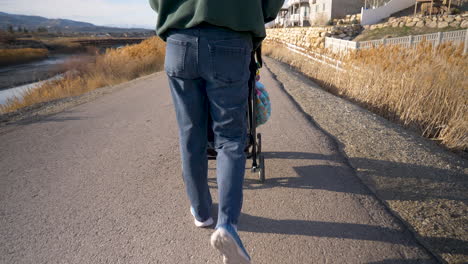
101	183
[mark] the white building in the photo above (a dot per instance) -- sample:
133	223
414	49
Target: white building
316	12
294	13
322	11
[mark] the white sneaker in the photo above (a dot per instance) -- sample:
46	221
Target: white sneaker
227	241
206	223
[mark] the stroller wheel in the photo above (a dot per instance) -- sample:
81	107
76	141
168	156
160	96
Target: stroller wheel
261	171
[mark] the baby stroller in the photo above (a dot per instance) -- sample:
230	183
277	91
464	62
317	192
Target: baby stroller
253	148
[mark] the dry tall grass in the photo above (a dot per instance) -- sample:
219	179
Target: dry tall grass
16	56
113	67
420	88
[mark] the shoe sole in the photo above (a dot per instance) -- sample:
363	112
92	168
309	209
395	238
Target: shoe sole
225	243
207	223
197	223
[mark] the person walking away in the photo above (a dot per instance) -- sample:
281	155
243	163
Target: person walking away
208	52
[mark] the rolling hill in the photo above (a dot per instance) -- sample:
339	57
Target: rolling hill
56	25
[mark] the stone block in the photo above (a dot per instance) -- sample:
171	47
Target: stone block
443	24
433	24
411	24
458	18
449	19
464	24
395	24
455	24
401	24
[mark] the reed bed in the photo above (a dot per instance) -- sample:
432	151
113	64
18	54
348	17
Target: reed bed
423	88
17	56
113	67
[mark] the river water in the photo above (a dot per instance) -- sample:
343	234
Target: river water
16	79
19	90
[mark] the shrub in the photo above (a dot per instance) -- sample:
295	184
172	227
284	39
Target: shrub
6	37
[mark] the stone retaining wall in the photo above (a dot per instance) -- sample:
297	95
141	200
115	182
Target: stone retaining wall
312	38
454	21
348	19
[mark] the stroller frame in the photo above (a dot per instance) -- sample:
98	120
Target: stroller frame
253	149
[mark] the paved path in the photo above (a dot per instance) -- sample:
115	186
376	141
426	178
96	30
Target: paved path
100	183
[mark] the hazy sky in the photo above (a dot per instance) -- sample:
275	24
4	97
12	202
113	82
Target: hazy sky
99	12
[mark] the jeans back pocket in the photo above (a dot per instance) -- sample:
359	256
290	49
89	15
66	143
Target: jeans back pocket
230	60
176	53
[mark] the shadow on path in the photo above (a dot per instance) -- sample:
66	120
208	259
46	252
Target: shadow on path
398	181
256	224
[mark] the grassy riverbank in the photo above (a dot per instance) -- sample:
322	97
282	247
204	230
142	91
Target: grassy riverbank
418	88
113	67
17	56
62	45
23	50
17	50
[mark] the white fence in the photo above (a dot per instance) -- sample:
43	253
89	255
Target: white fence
372	16
340	45
456	37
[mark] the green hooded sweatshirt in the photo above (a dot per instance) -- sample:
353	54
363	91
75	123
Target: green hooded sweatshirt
238	15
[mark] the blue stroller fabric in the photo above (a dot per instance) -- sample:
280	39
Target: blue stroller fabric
263	104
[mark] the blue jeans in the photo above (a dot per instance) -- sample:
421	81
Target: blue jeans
208	70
